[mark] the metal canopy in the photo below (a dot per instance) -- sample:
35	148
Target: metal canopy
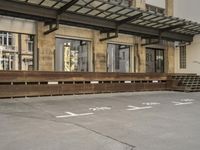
103	15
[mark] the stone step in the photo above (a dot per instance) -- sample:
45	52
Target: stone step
189	83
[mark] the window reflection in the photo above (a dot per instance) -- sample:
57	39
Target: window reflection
15	51
75	55
118	58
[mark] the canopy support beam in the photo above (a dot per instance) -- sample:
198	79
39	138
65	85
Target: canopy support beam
173	27
154	42
110	34
54	25
118	24
38	13
66	6
129	19
161	31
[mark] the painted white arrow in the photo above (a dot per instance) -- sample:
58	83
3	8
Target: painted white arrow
70	114
100	108
138	108
187	100
150	103
181	103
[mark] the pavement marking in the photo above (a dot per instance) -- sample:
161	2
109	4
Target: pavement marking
100	108
182	103
187	100
138	108
150	103
70	114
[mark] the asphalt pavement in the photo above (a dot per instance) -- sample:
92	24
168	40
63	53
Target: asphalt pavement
116	121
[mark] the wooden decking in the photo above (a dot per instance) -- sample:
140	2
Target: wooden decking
22	83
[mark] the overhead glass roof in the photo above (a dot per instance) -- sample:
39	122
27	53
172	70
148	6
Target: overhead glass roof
116	12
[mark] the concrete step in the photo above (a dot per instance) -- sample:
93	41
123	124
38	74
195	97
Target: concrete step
189	83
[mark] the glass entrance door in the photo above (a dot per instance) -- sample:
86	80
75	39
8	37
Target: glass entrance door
72	55
118	58
154	60
76	56
150	60
159	61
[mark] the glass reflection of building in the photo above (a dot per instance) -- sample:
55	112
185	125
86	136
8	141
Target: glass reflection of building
75	55
8	52
16	51
118	58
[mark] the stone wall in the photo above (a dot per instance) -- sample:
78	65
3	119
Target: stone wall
139	4
170	58
98	50
46	48
192	57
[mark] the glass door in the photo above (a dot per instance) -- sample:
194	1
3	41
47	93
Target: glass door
150	61
118	58
154	60
72	55
159	61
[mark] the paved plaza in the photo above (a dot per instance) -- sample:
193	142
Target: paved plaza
120	121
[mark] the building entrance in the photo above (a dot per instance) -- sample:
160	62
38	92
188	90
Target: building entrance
154	60
72	55
118	58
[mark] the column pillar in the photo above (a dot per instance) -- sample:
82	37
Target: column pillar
169	4
140	57
46	48
100	55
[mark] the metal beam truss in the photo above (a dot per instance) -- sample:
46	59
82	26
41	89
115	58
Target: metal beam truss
161	31
118	24
180	44
102	15
54	25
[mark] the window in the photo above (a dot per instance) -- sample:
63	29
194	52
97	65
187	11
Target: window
30	42
10	39
6	39
154	60
14	51
183	57
123	55
72	55
155	9
118	58
1	38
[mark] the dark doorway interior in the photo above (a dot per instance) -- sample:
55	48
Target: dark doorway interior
154	60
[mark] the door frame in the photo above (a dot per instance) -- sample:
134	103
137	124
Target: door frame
115	43
90	56
155	65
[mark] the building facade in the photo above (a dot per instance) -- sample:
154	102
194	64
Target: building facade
187	59
24	46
